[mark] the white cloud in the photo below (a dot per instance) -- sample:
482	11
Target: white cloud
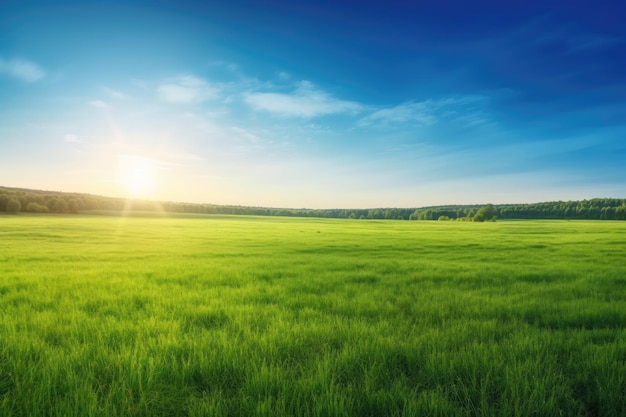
185	156
306	101
245	134
21	69
99	104
187	89
417	112
71	138
118	95
425	112
138	82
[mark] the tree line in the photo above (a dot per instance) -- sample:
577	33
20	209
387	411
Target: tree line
15	200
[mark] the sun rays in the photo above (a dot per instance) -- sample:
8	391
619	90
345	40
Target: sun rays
138	176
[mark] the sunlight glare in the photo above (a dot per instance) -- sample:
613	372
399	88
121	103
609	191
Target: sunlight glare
138	176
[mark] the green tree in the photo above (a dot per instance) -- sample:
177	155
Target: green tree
14	205
485	213
36	208
74	205
60	206
4	199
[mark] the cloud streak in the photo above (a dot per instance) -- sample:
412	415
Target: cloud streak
114	94
426	112
21	69
305	102
187	89
71	138
421	113
98	104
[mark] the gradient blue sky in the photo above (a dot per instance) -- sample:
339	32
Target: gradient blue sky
316	103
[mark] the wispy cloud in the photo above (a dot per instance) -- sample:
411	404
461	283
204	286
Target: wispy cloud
71	138
24	70
245	134
187	89
114	94
99	104
426	112
418	112
185	156
306	101
593	42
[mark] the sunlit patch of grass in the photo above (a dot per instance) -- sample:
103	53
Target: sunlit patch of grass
280	317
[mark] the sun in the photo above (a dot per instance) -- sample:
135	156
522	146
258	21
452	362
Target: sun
138	176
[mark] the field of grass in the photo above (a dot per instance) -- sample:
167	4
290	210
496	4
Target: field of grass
245	316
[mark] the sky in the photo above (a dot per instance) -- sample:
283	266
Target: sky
316	104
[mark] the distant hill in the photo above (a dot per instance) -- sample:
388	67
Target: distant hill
39	201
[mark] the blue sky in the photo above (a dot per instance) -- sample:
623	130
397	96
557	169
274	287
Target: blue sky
315	103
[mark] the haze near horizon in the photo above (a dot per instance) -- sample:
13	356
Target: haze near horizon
315	104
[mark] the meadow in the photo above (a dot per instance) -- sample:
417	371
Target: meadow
251	316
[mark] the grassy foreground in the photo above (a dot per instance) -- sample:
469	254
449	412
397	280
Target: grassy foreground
235	316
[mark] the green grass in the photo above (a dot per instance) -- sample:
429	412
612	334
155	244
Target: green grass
245	316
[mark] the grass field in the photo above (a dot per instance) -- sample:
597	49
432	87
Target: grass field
245	316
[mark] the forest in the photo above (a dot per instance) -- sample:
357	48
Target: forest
15	200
